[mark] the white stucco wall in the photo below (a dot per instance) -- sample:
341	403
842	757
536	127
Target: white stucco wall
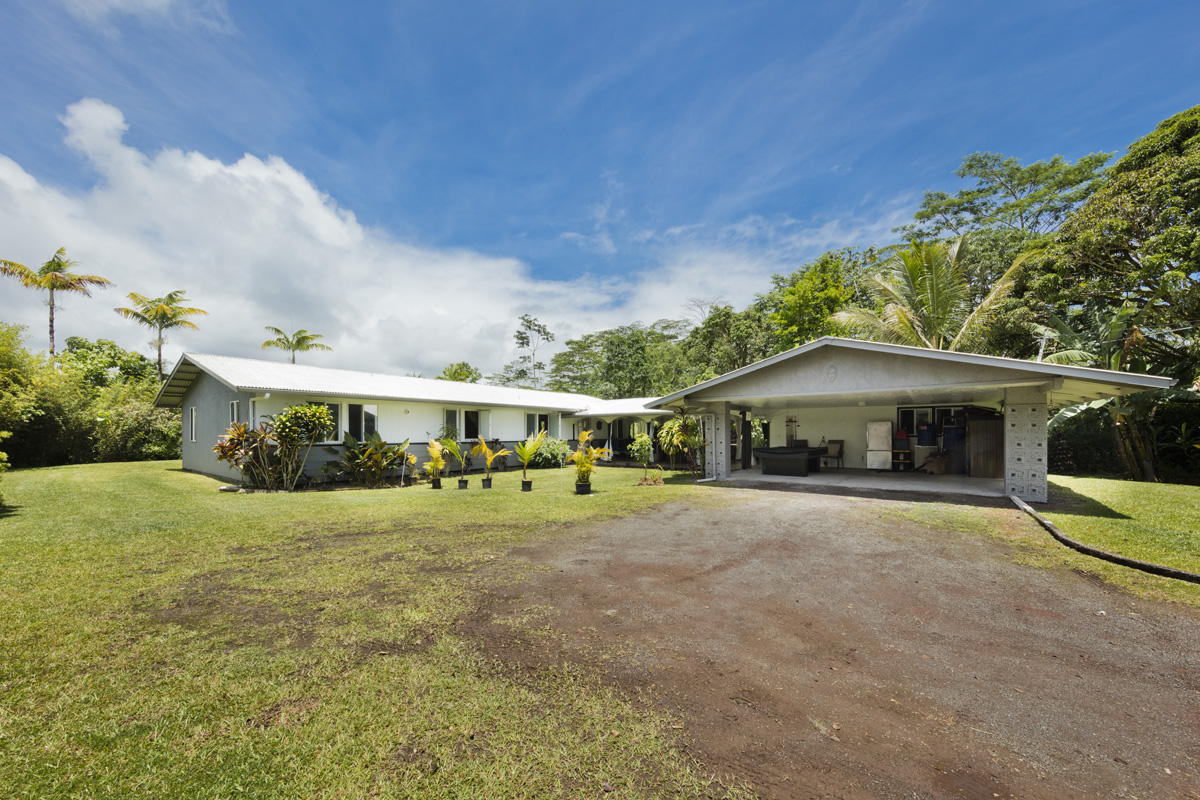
848	424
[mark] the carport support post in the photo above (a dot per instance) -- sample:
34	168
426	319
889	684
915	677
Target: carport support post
1025	417
747	440
716	464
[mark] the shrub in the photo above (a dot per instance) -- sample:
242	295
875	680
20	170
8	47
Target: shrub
269	456
642	451
371	462
551	453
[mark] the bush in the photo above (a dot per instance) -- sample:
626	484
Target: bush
552	453
129	426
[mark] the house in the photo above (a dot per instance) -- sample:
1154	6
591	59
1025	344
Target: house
217	391
832	388
988	414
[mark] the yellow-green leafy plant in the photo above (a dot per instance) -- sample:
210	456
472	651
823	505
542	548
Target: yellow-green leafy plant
437	459
585	457
526	450
451	447
489	456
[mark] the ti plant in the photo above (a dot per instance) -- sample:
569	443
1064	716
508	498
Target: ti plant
526	450
585	457
489	455
437	459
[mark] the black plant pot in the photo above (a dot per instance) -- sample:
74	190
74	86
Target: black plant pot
526	486
437	483
487	483
583	488
463	483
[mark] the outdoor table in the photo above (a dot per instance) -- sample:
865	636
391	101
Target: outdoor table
790	460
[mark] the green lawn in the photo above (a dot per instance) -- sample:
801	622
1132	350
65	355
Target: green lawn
1155	522
159	638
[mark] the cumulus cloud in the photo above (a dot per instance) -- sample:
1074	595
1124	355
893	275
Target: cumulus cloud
256	243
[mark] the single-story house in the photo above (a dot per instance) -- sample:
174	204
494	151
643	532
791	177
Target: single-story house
989	413
985	415
216	391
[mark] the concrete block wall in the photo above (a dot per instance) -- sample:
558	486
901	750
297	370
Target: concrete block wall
1025	451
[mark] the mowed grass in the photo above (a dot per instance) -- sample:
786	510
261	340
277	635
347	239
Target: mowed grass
1152	522
1155	522
159	638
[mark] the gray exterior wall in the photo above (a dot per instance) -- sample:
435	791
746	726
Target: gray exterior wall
211	400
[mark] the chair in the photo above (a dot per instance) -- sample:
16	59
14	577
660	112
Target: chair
836	451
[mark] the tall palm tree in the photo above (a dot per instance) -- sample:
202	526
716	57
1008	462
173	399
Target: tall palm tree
926	300
54	276
161	314
299	342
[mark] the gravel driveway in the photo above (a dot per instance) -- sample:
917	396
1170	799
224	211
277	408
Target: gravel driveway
825	646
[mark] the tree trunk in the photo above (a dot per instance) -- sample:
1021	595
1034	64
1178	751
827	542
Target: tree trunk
1137	459
52	320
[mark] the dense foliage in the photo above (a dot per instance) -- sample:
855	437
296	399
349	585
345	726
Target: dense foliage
93	402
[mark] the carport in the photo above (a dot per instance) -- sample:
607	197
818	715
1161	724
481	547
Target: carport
830	389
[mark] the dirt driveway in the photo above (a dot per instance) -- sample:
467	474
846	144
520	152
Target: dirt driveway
824	646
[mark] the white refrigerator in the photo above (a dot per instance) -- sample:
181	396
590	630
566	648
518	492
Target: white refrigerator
879	445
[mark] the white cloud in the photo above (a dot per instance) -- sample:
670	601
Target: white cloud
208	13
255	243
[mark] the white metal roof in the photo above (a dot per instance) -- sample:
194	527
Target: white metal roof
254	375
629	407
1097	381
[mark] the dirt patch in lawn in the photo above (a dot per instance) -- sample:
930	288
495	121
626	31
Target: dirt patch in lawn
834	646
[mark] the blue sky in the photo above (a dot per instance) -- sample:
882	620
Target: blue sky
409	178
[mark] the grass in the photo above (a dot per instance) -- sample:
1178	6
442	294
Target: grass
1156	522
160	638
1152	522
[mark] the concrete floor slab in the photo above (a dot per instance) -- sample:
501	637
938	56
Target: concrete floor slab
870	480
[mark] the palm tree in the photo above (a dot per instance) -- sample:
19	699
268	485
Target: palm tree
299	342
926	300
161	314
54	276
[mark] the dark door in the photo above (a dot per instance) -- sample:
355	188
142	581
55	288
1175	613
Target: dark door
985	443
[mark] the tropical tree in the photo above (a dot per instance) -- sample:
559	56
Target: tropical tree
460	371
1097	336
161	314
923	300
299	342
54	276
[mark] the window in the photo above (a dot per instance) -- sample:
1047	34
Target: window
363	421
192	424
535	423
470	425
335	411
235	408
450	423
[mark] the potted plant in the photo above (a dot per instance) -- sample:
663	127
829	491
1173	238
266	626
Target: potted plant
584	458
436	463
525	451
489	455
451	447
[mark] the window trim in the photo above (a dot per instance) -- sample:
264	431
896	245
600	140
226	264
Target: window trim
337	432
235	411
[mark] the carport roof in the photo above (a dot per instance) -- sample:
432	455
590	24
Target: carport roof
963	378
